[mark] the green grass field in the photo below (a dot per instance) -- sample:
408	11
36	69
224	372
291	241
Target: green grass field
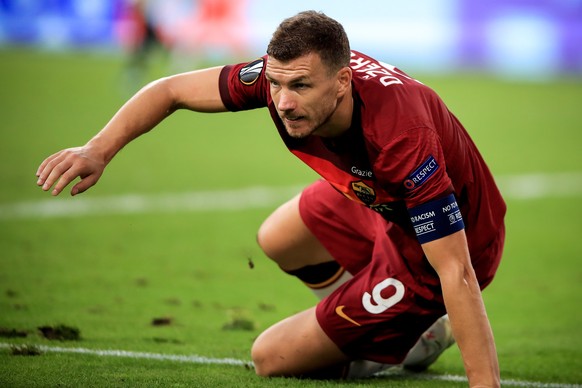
110	275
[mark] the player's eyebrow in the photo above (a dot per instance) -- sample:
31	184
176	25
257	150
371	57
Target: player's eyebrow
300	79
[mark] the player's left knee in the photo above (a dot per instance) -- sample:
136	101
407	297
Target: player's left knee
263	359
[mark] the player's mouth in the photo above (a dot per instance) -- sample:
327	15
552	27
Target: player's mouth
293	119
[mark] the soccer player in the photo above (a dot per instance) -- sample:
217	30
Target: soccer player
398	238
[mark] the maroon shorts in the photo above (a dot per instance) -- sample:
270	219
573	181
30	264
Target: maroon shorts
378	314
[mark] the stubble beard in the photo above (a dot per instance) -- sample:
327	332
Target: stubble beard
299	134
311	131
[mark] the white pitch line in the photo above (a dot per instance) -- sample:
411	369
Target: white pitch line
200	201
539	185
140	355
517	187
195	359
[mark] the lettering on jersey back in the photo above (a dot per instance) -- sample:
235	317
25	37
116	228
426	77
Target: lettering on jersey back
386	74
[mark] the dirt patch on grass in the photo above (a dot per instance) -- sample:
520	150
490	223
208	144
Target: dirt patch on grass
163	321
239	323
12	333
162	340
60	333
267	307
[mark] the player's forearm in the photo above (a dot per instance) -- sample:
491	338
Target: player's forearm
137	116
450	258
196	90
471	329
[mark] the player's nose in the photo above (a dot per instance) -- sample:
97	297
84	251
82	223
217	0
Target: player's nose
286	101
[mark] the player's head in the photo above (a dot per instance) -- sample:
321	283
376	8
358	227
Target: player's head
309	75
311	32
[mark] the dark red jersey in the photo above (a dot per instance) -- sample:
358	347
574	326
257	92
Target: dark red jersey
403	149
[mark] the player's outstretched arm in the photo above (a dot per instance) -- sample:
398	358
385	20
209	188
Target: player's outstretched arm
197	90
450	258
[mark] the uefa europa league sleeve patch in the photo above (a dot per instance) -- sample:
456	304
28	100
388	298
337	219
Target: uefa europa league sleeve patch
251	72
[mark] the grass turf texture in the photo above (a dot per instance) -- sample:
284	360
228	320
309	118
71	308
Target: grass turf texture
111	275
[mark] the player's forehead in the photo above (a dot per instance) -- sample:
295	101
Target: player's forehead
308	66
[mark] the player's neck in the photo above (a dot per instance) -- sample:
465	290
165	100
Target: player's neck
341	119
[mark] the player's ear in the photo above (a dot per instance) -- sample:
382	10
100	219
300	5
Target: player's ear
344	78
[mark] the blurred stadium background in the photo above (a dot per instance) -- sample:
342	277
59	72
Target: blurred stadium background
510	69
528	39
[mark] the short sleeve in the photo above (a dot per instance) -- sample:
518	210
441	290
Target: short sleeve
243	86
413	166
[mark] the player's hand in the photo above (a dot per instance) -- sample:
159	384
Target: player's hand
65	166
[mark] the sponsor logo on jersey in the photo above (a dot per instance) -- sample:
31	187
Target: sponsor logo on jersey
251	72
364	192
363	173
422	173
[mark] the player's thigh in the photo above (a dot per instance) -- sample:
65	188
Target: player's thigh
296	346
320	225
347	229
285	238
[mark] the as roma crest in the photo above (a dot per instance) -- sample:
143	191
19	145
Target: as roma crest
364	192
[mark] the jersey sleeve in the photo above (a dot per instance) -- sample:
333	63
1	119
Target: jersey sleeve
417	166
413	165
243	86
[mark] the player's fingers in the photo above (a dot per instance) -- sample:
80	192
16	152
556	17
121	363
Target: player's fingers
61	180
46	167
64	174
85	184
65	161
65	166
55	173
42	166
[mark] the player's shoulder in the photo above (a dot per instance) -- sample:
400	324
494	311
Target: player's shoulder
391	102
243	85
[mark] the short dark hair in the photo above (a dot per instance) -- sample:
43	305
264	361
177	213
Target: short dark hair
311	32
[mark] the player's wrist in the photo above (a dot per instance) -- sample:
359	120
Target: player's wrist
102	149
